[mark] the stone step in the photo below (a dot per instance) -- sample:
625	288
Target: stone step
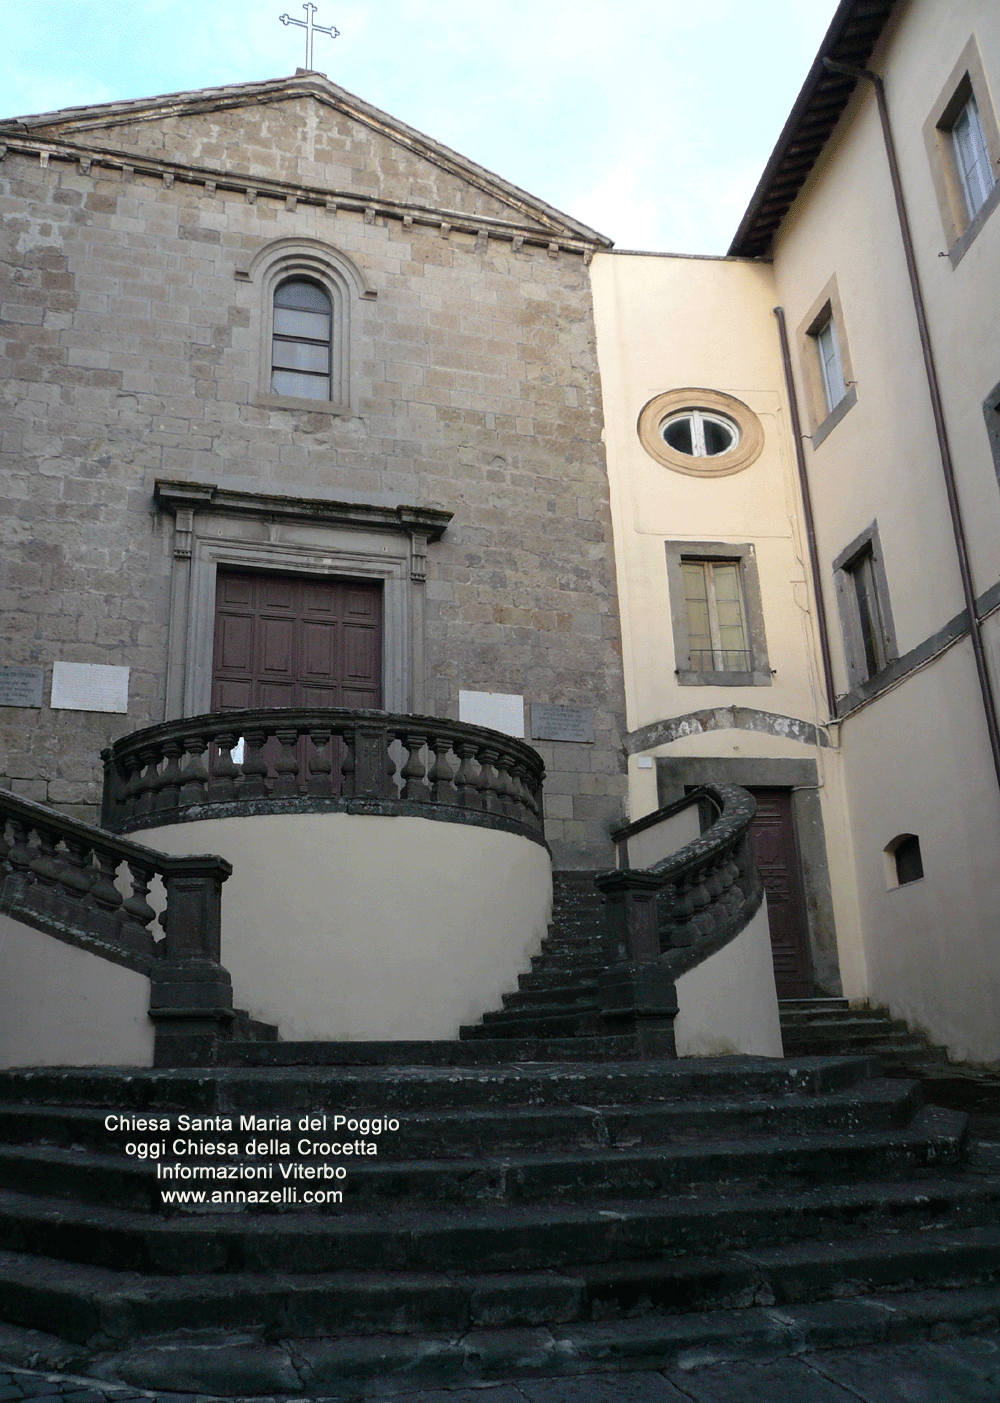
556	979
807	1005
487	1050
489	1238
555	997
448	1085
344	1367
82	1301
555	1176
873	1104
848	1027
585	1024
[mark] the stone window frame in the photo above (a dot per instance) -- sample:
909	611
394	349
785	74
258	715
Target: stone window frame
850	621
746	556
216	525
347	288
967	79
826	309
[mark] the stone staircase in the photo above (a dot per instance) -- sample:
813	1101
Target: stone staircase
558	998
820	1027
549	1204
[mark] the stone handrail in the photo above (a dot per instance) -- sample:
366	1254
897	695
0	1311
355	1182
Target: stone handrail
90	888
290	759
665	919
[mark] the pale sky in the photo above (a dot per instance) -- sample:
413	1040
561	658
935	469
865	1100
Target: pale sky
651	120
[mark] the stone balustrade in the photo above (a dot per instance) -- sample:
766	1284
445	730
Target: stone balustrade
291	759
666	918
91	889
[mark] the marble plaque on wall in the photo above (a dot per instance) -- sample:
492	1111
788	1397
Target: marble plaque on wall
572	723
501	711
89	687
21	686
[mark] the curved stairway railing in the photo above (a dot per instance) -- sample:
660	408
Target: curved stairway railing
90	888
292	759
665	919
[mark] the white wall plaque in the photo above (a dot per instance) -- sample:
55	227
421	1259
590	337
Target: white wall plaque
89	687
501	711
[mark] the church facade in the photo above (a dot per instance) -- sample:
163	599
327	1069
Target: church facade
304	409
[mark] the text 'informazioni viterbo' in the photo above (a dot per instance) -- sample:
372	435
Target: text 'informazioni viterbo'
291	1161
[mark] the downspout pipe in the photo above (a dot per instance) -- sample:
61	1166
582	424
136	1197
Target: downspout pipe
800	460
944	447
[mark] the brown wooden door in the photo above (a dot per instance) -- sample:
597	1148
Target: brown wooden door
772	837
285	640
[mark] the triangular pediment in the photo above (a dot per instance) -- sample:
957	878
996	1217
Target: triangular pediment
304	130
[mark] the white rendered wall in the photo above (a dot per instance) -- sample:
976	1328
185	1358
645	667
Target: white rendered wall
728	1004
349	926
64	1007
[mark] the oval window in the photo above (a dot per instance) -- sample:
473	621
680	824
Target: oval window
700	435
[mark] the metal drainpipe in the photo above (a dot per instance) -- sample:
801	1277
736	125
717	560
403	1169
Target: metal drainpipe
800	459
947	467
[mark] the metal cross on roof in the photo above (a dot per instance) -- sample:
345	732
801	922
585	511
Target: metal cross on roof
310	29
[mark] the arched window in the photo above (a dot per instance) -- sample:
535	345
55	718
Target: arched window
301	341
311	306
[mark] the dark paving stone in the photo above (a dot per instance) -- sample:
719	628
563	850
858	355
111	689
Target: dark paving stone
497	1393
8	1389
618	1388
918	1373
779	1381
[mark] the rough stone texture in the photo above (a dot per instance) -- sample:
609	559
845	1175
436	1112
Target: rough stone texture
128	354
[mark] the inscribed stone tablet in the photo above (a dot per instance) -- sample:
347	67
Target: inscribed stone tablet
501	711
89	687
575	723
21	686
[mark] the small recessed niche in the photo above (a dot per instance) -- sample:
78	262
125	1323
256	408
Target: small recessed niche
903	862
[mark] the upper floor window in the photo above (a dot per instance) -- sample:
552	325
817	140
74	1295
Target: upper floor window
309	305
824	357
865	616
700	435
717	615
703	433
301	341
963	145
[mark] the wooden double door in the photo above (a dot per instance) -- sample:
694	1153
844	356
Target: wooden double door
289	640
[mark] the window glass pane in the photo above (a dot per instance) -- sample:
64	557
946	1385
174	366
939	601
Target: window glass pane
869	615
288	382
307	297
696	604
719	437
309	325
909	864
301	355
678	434
973	159
833	374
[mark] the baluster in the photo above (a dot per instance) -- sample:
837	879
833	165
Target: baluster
149	759
104	893
4	845
170	780
253	782
682	932
440	774
46	866
133	785
466	781
76	873
19	854
505	786
286	767
526	798
412	773
222	784
194	776
348	764
320	782
136	913
701	899
489	799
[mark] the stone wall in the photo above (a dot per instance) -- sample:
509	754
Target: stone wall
131	350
